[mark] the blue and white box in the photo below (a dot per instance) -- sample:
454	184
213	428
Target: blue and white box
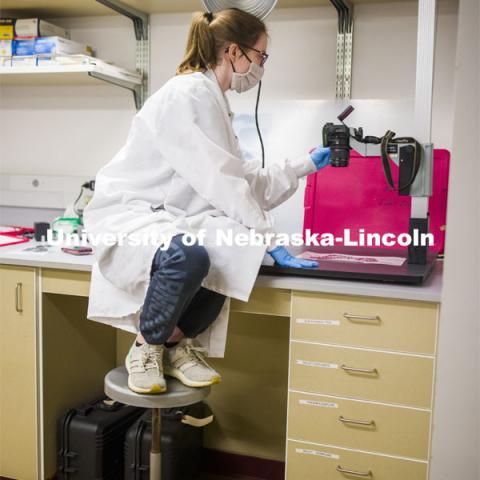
23	47
59	46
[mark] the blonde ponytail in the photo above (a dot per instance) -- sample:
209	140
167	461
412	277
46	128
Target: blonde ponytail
210	33
200	53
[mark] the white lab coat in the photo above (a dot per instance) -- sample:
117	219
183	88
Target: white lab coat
182	158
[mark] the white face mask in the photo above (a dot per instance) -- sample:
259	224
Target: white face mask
241	82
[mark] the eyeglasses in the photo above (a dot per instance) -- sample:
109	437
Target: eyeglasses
261	52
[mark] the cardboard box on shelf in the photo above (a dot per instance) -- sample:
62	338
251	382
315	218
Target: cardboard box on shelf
7	28
37	27
5	61
23	47
6	48
54	59
24	61
59	46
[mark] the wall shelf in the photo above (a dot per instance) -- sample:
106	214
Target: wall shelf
75	8
79	74
68	75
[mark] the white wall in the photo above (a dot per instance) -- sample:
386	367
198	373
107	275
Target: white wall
73	131
455	453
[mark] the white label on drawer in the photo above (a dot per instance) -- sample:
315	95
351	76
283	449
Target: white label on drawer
318	404
309	363
318	453
312	321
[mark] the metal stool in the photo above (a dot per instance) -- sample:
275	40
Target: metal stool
177	395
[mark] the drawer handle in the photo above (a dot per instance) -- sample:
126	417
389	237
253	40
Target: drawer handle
370	371
354	473
18	298
363	423
362	318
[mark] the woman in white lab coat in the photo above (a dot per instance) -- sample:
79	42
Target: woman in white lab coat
181	172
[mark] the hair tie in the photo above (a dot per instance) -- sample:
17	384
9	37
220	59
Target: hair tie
208	16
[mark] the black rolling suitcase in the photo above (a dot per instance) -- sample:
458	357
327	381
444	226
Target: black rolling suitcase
90	440
181	443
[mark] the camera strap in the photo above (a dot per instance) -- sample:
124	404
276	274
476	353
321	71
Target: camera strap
389	139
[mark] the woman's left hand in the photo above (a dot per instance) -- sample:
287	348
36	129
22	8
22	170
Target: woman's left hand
320	156
284	259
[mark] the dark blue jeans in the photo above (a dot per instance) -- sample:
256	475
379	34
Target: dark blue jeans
175	297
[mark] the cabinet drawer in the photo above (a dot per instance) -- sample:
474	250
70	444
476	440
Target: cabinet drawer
359	425
65	282
364	321
363	374
315	462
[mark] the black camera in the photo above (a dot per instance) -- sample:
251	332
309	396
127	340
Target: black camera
337	137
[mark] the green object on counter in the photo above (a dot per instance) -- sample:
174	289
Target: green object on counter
67	224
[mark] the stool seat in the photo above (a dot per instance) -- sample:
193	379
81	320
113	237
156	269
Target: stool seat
177	394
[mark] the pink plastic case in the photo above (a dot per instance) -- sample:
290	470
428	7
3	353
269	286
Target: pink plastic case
359	197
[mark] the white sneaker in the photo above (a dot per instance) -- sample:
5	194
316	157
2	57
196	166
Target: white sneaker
187	363
145	368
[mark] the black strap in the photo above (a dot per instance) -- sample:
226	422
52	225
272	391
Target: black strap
388	139
385	158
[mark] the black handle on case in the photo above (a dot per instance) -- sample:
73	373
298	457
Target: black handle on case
110	405
103	403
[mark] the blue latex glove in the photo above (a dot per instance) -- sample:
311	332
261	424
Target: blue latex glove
284	259
320	156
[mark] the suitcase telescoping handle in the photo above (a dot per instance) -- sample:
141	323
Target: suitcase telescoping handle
197	422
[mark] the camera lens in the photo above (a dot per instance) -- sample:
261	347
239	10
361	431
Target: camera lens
337	137
340	156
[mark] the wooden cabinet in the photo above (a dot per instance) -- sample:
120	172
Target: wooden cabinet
18	378
360	386
361	381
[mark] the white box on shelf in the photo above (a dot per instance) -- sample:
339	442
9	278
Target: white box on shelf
37	27
24	61
54	59
5	61
45	60
5	48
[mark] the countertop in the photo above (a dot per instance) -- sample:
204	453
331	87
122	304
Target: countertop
429	291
